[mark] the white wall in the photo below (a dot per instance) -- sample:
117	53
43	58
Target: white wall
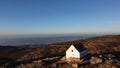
74	54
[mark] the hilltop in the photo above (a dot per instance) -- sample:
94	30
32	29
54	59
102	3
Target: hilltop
108	46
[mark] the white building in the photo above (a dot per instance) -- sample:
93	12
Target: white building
76	51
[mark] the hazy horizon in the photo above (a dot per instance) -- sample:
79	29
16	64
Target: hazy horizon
16	40
51	35
21	40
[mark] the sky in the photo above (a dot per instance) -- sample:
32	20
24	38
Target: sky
21	17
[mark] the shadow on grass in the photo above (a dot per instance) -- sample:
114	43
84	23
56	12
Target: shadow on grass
3	61
104	55
86	58
14	64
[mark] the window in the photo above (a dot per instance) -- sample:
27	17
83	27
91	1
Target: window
72	50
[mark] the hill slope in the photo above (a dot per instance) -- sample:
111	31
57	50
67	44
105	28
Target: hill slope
101	44
95	45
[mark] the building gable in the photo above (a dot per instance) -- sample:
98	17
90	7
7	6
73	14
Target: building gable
72	52
76	51
72	48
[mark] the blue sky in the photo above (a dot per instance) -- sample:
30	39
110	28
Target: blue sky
19	17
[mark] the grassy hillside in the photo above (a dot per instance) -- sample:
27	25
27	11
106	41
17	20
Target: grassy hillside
95	45
101	44
12	52
98	44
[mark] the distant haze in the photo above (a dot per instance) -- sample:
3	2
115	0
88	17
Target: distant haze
41	39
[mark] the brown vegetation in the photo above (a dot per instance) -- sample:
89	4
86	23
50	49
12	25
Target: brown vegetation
105	51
